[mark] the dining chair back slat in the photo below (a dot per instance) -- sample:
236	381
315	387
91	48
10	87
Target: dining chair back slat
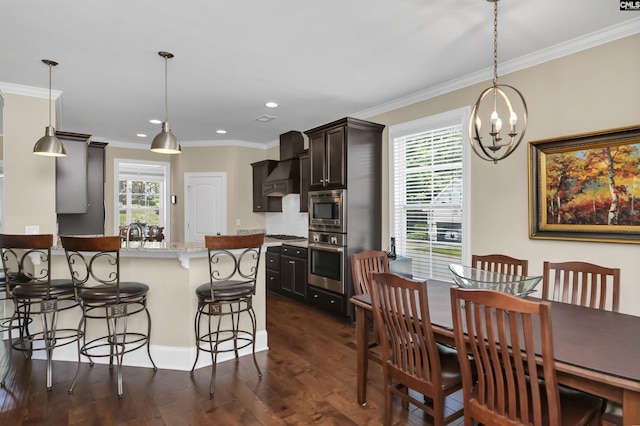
582	283
501	264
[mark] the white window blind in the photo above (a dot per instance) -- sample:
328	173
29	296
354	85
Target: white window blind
427	199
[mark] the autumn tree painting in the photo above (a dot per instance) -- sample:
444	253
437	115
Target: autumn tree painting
596	186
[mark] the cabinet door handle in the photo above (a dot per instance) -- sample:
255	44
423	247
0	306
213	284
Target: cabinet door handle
292	262
332	302
315	296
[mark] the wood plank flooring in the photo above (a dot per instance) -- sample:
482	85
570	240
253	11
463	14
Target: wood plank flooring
309	377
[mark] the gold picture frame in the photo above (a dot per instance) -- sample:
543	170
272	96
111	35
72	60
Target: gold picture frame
586	187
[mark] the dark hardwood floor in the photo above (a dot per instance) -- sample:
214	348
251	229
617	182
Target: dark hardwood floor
309	377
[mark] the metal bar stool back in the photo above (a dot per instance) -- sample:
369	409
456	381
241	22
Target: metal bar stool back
94	263
233	269
26	260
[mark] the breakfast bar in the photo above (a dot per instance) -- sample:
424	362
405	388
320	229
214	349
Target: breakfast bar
172	271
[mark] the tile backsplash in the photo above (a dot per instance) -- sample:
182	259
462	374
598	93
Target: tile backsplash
290	221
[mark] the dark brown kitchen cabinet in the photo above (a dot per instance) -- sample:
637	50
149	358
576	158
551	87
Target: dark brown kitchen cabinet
71	174
91	222
305	178
262	203
332	145
272	268
293	271
328	162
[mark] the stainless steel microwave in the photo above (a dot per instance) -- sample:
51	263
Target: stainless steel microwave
327	211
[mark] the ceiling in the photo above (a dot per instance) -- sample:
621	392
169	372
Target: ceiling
320	60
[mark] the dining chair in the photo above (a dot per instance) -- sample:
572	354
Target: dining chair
26	260
501	264
233	267
506	336
94	264
362	264
582	283
410	354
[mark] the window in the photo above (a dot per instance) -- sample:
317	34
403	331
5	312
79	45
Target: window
142	193
428	197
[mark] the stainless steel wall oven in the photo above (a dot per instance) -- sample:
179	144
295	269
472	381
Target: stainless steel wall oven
327	261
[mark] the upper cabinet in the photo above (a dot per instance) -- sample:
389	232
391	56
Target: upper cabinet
90	222
331	145
305	177
261	202
71	174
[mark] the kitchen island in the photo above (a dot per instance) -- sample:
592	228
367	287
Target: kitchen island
172	271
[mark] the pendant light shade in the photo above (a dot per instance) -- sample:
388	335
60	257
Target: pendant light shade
49	145
496	139
165	142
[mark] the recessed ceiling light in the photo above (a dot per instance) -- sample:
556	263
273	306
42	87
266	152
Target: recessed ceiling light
265	118
141	135
154	121
271	105
222	132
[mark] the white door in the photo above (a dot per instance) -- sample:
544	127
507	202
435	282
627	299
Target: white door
205	207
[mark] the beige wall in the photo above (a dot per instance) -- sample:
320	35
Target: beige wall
234	161
588	91
29	196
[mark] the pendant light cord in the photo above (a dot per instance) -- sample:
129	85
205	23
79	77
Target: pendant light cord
166	91
49	95
495	42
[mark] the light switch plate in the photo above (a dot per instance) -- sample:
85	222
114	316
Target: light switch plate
31	229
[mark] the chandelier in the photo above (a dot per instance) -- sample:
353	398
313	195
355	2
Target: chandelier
494	140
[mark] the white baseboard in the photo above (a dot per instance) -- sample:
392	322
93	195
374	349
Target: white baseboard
165	357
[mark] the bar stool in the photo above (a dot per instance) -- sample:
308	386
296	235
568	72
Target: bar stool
94	263
26	260
229	292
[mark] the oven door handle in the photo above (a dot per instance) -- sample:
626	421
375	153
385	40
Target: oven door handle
326	248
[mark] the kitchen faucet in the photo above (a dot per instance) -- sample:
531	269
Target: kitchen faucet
140	229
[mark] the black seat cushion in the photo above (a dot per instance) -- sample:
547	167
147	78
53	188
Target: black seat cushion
104	293
229	291
38	290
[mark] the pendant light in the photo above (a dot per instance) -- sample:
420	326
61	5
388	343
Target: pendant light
165	142
49	145
497	144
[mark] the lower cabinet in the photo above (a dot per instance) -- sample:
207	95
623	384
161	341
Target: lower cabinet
293	271
325	300
272	268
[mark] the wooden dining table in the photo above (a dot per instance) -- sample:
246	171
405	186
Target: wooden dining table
595	351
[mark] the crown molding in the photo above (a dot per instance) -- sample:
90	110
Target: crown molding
606	35
36	92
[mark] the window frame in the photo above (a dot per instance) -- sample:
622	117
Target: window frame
458	116
165	194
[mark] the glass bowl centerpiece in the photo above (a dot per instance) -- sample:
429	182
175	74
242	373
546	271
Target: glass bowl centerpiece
467	277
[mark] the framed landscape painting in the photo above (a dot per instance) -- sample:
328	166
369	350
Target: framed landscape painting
586	187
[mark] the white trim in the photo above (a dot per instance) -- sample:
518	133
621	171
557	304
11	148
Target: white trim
35	92
444	119
167	193
166	357
606	35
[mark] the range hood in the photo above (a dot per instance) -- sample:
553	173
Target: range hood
285	178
